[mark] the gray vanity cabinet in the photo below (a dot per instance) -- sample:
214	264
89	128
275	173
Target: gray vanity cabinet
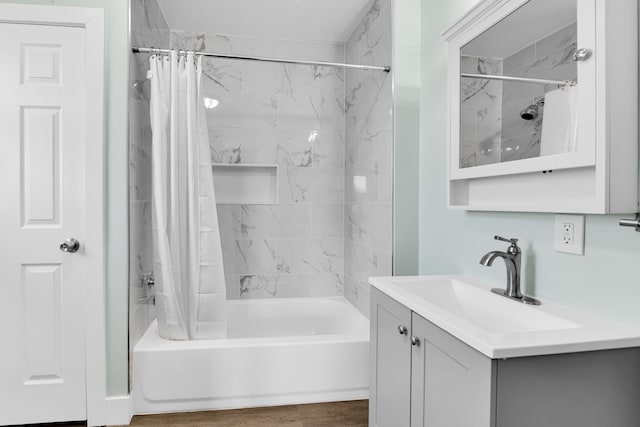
427	377
424	377
588	389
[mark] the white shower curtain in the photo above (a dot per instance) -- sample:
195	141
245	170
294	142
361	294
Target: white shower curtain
189	275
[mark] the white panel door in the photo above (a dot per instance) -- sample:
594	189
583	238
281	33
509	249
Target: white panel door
42	197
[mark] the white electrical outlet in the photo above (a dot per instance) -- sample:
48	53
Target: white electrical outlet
569	234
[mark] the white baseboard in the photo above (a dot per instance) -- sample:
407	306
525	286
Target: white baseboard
119	411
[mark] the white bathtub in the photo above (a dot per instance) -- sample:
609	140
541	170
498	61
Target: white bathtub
279	351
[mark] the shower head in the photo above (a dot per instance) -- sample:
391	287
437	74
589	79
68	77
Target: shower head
530	113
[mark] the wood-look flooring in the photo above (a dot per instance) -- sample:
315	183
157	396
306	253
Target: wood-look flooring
334	414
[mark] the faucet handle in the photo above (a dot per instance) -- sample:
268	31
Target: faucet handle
513	249
502	239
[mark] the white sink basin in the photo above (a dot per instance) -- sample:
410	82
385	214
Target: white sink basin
487	311
499	327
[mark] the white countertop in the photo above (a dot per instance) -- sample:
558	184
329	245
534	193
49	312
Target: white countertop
498	327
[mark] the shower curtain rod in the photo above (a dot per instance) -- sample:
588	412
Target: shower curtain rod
263	59
519	79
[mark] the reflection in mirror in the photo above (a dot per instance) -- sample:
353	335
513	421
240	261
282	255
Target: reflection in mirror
518	93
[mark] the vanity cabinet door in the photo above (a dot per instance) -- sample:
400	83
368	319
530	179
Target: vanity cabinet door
453	385
390	384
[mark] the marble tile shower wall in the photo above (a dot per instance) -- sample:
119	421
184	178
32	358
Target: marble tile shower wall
548	58
491	129
480	112
148	28
292	116
369	156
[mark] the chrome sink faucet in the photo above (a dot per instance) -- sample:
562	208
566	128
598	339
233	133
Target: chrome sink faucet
512	259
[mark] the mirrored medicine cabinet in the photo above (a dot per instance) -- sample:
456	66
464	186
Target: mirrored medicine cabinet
543	106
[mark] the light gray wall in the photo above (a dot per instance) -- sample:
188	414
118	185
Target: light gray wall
604	281
406	134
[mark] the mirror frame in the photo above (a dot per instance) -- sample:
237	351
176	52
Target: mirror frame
495	12
608	183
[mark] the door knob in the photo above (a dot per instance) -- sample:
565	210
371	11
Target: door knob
70	245
402	330
415	341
